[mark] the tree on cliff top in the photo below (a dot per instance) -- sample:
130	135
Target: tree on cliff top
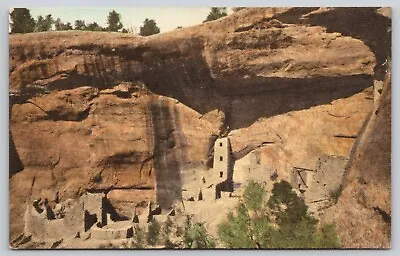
80	25
59	25
44	24
114	21
94	27
21	21
216	13
149	28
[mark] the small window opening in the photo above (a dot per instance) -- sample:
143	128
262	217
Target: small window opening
221	158
220	144
220	174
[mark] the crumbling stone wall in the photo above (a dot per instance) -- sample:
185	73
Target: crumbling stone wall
74	218
93	205
78	217
317	186
42	228
326	179
251	167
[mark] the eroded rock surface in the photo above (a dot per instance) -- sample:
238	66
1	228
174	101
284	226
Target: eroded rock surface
363	213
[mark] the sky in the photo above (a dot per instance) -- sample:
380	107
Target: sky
167	18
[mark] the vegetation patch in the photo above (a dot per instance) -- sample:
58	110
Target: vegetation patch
196	236
153	232
281	222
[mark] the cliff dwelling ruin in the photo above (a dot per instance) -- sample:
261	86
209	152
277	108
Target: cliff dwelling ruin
111	131
91	216
317	185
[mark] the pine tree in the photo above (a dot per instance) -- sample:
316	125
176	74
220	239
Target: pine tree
44	24
59	25
114	21
216	13
149	28
196	236
21	21
283	222
80	25
94	27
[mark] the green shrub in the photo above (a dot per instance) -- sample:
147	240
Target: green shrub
167	227
166	232
216	13
168	244
327	237
196	237
153	232
284	222
254	196
235	233
138	238
288	208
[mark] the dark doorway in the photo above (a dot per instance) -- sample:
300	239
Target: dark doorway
90	220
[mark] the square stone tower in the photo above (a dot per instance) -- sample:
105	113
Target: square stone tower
222	159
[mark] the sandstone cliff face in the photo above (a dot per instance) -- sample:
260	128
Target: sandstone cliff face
129	115
363	212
